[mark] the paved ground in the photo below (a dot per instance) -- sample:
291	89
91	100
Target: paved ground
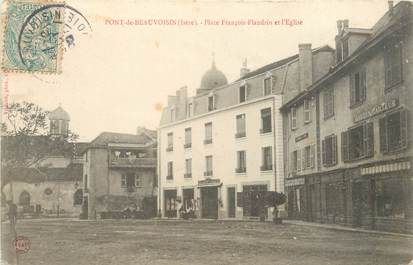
200	242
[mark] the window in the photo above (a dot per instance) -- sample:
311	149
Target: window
240	126
329	146
208	166
208	133
357	142
188	168
308	157
242	93
241	162
391	199
328	102
393	130
293	119
138	181
268	86
393	64
266	120
170	171
128	181
266	158
211	103
188	138
190	110
307	111
295	161
170	142
357	88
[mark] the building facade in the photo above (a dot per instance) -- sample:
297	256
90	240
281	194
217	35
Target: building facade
221	150
51	185
354	126
119	172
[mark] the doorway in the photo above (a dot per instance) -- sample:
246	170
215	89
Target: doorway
231	202
209	201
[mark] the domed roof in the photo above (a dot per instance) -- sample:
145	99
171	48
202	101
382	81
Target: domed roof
213	78
59	114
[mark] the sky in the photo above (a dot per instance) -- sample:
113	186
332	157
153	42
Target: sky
116	76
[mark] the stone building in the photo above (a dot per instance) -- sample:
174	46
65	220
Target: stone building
51	186
221	150
348	135
119	172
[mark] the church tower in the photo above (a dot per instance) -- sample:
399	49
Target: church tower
59	122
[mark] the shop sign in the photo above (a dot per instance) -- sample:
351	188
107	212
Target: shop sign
301	137
209	182
376	110
294	182
399	166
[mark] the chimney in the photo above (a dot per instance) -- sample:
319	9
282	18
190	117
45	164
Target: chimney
345	24
390	7
305	64
244	70
339	26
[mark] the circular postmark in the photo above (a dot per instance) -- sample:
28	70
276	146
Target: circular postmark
21	244
47	33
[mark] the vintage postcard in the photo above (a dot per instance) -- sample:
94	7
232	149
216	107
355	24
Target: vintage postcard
206	132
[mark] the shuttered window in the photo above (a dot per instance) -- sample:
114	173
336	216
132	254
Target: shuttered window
293	118
358	88
298	160
358	142
328	103
307	111
266	120
393	64
393	129
329	152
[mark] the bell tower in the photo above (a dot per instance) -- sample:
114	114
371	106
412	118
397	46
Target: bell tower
59	122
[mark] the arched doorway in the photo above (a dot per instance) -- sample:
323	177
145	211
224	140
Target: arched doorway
24	200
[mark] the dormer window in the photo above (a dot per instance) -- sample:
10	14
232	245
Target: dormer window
211	103
268	84
242	93
190	109
173	114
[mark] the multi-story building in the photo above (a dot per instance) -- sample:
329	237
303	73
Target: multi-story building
119	172
221	150
348	133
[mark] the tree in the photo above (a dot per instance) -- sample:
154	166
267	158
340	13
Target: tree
24	140
275	199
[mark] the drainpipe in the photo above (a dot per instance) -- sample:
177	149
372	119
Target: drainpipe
159	171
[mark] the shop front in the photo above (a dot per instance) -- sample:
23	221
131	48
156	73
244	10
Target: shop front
171	204
209	191
296	194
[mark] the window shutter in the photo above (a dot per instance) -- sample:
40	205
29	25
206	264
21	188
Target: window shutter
368	140
240	201
334	151
304	162
345	146
404	132
273	82
292	169
312	156
323	144
352	90
383	135
298	160
363	85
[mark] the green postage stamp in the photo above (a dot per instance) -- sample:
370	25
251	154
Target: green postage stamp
32	37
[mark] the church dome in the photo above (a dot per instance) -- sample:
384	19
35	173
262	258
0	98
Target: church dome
213	78
59	114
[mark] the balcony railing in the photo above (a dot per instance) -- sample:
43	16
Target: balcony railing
266	130
169	149
241	170
208	173
266	167
188	175
169	177
240	134
188	145
133	162
208	141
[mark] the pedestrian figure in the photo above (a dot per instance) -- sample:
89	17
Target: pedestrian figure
12	213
